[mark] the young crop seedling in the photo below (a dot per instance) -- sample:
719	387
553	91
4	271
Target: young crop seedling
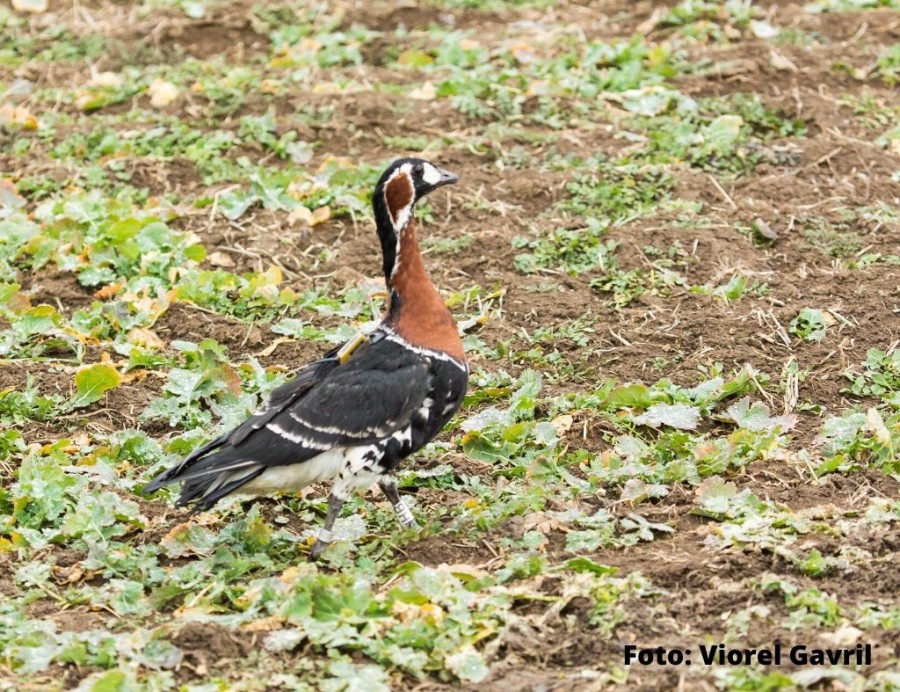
669	265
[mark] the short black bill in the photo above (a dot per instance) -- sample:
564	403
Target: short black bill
447	178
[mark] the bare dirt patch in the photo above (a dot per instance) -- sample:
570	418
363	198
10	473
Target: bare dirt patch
815	199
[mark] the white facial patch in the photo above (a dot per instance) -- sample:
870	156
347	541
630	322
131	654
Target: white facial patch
431	175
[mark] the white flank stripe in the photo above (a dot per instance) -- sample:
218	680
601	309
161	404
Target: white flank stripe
294	437
331	430
193	475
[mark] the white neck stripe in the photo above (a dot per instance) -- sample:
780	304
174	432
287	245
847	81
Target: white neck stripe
405	213
403	216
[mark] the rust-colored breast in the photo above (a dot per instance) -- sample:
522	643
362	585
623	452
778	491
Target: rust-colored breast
435	329
423	319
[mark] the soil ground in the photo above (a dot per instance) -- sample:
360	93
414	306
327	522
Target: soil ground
836	167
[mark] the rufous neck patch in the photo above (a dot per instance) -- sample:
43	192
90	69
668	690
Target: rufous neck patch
398	195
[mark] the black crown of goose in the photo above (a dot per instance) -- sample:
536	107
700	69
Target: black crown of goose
350	420
425	178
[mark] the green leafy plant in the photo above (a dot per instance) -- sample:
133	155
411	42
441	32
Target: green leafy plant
185	220
878	377
92	382
810	325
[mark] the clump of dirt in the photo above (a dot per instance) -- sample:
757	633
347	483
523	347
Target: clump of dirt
59	289
207	646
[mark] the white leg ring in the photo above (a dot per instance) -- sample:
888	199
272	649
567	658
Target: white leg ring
325	536
403	513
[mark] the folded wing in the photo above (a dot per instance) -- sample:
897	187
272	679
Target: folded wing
326	407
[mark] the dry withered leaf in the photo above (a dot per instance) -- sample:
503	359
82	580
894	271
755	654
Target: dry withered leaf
220	259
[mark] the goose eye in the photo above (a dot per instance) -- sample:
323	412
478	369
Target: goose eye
418	169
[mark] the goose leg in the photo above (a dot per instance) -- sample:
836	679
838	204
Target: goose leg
335	503
389	487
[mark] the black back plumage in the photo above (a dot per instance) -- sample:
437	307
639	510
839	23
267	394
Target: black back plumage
382	389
